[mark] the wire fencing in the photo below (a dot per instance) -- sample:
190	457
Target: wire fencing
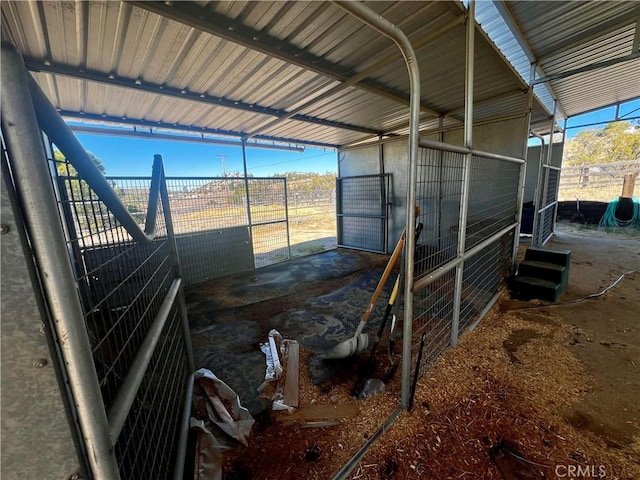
362	211
124	286
469	209
226	225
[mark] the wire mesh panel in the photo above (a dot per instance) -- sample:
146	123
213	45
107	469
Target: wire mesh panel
203	204
144	448
312	219
122	285
269	220
362	212
452	288
545	224
210	218
553	182
433	315
493	198
483	276
438	194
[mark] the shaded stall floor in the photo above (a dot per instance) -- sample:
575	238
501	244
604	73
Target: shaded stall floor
317	300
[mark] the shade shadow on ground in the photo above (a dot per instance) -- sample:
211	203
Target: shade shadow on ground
317	300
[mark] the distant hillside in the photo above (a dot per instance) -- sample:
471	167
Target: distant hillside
308	182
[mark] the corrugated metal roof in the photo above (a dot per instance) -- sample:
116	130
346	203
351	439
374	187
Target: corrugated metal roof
564	36
488	16
236	66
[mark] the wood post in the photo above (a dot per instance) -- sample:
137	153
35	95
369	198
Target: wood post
628	185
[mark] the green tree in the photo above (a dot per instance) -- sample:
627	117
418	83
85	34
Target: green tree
89	211
66	169
617	142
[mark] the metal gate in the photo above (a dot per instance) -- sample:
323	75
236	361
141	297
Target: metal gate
546	206
223	225
269	220
362	212
469	208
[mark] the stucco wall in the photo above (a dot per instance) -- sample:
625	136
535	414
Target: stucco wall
36	437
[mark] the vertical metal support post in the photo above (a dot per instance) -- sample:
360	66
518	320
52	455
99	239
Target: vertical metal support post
537	195
286	215
466	176
388	29
184	321
441	183
384	203
246	190
171	238
523	171
555	210
34	186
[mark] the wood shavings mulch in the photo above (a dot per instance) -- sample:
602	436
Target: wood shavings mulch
493	408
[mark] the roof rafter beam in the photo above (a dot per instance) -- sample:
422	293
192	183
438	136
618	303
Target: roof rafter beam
109	119
201	18
151	135
385	62
587	68
157	89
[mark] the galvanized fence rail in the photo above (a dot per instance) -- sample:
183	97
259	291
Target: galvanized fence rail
599	182
484	212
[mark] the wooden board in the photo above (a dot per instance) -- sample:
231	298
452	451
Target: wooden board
321	412
291	389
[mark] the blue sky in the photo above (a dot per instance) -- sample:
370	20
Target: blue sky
602	116
132	157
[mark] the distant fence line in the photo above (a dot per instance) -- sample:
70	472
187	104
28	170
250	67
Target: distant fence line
599	182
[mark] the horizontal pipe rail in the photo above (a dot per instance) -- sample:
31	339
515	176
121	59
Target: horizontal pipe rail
617	175
53	125
547	207
114	132
360	215
126	395
432	277
465	151
602	165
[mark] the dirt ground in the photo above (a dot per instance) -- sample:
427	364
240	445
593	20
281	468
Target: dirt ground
534	392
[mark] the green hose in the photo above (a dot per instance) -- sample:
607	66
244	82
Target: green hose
609	218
